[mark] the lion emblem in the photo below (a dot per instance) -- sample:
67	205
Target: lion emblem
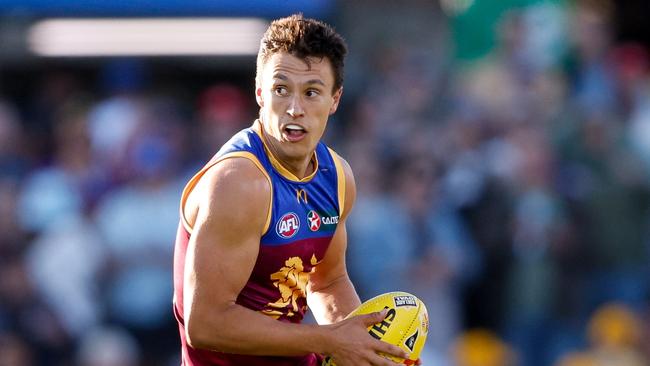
291	280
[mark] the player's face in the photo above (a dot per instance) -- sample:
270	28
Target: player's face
295	102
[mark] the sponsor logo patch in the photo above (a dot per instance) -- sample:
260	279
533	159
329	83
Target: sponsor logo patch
405	301
331	220
314	220
288	225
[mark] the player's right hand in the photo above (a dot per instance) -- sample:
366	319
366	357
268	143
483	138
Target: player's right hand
353	346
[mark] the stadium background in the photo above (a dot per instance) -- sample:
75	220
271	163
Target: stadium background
501	151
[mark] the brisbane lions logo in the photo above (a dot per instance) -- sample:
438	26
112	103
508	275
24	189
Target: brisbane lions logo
288	225
291	280
314	220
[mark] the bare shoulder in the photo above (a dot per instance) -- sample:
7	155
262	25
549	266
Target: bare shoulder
238	176
235	189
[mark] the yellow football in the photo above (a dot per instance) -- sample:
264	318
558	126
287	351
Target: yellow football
406	324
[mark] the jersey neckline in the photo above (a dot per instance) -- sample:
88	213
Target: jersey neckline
277	165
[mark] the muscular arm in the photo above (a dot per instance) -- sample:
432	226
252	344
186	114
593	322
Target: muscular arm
230	207
232	202
331	293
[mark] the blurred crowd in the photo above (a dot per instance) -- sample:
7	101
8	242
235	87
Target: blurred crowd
510	192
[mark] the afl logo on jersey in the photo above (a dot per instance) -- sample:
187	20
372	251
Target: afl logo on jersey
288	225
314	220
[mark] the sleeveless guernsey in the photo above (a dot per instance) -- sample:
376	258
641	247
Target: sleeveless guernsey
302	218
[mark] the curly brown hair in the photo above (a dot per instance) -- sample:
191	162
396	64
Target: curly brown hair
303	38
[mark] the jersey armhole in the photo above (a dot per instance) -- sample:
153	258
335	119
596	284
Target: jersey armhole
189	187
340	177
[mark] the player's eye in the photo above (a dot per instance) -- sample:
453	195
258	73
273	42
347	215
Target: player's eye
280	90
312	93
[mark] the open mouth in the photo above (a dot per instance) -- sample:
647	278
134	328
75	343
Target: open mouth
294	132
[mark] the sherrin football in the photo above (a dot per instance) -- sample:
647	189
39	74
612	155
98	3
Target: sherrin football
406	324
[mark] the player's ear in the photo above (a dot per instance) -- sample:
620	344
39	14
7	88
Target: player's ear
258	96
337	99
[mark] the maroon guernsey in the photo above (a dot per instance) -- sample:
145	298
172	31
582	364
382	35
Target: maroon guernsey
300	226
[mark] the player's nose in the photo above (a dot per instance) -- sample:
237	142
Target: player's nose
295	108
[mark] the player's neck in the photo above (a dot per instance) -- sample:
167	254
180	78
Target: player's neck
298	167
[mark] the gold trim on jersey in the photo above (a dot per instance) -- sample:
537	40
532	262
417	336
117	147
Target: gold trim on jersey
340	177
257	127
191	184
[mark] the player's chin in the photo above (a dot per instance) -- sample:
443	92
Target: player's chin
301	149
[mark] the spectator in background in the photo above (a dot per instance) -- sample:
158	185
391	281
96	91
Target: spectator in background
607	177
66	262
590	68
223	110
72	183
443	256
537	226
376	226
136	222
613	192
114	120
420	242
66	257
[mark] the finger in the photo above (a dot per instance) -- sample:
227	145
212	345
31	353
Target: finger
374	318
391	350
